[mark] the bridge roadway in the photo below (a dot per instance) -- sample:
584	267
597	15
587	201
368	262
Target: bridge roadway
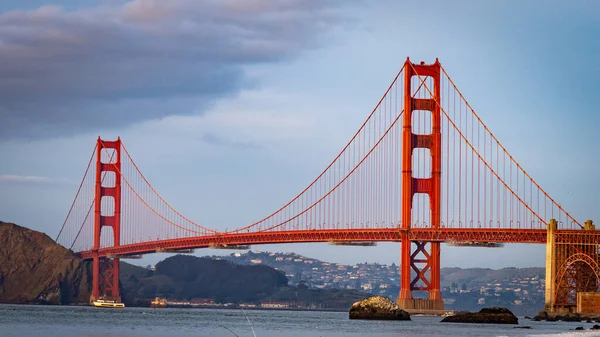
506	235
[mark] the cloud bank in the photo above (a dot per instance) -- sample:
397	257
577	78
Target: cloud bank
67	72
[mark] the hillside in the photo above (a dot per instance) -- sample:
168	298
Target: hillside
333	275
187	277
520	289
34	269
184	277
483	276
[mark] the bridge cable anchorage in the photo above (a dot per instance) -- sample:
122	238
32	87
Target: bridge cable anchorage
77	194
257	223
505	151
485	161
163	200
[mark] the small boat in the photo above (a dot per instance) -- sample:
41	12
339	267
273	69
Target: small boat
159	303
107	304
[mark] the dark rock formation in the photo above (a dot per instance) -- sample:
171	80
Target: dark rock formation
485	315
541	316
34	269
565	317
569	317
378	307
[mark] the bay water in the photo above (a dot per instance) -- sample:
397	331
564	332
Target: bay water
67	321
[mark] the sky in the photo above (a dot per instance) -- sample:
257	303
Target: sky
230	108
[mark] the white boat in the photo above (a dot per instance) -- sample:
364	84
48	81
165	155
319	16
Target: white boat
107	304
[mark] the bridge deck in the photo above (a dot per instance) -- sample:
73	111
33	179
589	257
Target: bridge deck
338	235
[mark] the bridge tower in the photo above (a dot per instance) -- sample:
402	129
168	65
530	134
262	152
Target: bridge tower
420	256
107	200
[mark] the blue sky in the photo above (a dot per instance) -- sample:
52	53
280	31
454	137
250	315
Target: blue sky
231	108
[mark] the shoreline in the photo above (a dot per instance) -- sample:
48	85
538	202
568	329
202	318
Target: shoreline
412	312
231	307
181	307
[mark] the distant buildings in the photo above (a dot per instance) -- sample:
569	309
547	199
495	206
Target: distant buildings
195	302
515	288
275	305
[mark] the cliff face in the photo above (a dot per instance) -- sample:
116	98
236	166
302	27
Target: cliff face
34	269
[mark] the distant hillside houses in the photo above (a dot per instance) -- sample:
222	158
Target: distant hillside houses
472	287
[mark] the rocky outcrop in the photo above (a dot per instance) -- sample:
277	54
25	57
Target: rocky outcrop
566	317
485	315
34	269
378	307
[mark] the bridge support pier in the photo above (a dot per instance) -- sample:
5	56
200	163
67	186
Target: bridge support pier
572	269
107	200
426	265
420	257
550	265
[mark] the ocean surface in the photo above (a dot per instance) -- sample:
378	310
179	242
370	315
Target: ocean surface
62	321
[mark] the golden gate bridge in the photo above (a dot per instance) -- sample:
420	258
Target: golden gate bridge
422	169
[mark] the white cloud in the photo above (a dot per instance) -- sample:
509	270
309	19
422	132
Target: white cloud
17	179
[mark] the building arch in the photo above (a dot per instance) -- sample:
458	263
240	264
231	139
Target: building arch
579	272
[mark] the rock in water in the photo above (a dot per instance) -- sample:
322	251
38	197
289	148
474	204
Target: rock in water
378	307
486	315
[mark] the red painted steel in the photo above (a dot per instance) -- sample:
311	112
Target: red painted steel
340	235
110	270
580	272
422	260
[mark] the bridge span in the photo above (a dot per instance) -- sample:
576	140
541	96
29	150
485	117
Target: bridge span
421	170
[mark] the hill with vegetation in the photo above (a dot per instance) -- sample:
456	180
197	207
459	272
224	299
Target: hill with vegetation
34	269
185	277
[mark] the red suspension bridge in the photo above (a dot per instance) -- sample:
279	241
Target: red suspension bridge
422	169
